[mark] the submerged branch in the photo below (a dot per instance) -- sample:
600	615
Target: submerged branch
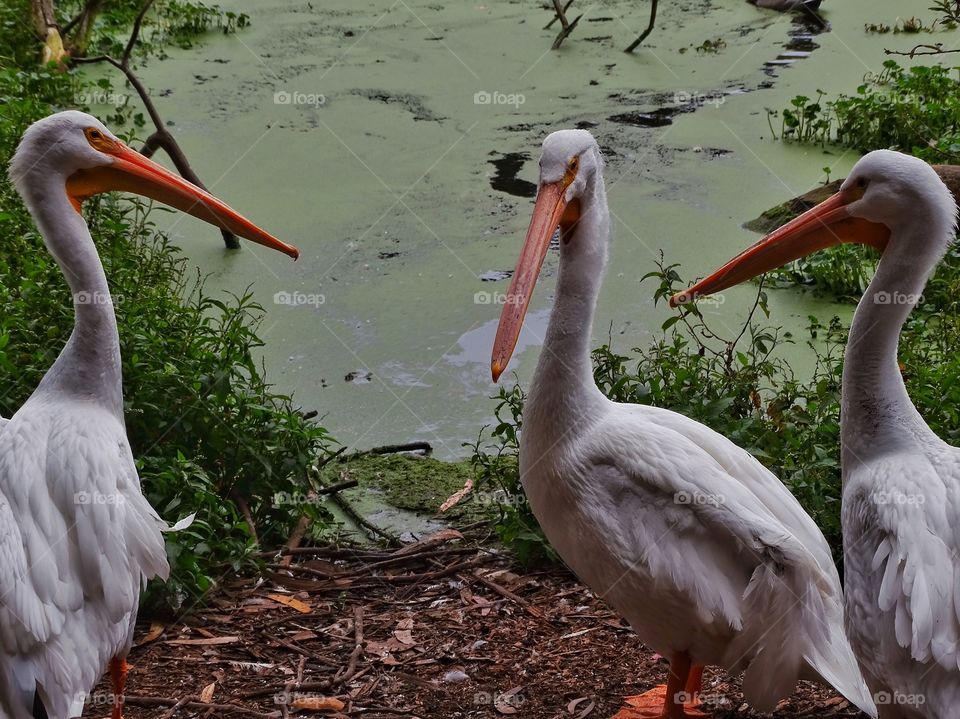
161	138
643	36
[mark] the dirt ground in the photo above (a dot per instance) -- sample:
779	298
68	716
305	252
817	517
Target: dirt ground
439	628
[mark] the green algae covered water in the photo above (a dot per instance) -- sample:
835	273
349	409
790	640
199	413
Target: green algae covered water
395	143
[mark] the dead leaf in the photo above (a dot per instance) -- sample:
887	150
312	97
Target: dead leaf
582	714
455	498
289	601
317	704
403	631
508	702
156	629
206	696
211	641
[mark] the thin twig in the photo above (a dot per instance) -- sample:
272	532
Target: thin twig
936	49
193	705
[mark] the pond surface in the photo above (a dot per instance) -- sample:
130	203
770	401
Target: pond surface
395	143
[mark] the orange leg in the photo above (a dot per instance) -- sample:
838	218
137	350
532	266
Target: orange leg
675	700
694	683
118	680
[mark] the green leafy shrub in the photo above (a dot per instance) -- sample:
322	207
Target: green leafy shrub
209	433
915	110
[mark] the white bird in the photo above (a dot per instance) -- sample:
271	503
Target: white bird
900	505
703	551
78	540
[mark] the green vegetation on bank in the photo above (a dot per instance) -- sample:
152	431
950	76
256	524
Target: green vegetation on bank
914	110
210	435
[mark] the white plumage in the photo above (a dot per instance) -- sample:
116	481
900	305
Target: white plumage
78	540
702	549
901	483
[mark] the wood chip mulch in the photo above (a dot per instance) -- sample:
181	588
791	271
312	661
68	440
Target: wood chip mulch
442	628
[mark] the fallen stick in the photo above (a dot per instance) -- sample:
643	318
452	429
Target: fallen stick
342	678
194	705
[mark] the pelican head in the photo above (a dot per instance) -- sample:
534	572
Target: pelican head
886	193
572	159
570	172
78	150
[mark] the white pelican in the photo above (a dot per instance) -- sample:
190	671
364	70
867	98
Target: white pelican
901	483
689	537
78	540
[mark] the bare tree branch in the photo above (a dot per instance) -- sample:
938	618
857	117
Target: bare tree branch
566	26
161	138
643	36
936	49
556	16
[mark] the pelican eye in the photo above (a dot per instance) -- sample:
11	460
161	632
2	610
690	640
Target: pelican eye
98	140
573	164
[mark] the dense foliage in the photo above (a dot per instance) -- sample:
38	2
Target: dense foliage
913	110
209	434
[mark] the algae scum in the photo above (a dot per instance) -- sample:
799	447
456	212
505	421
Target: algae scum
396	144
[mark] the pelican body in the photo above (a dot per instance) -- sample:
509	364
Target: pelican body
901	483
697	545
78	540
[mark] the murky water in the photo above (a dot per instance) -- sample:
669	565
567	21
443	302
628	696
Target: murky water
396	144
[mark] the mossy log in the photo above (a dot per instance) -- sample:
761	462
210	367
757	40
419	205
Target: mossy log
783	213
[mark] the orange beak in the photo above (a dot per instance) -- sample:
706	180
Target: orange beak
132	172
551	210
825	225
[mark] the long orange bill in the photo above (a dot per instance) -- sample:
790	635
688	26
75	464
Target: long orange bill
548	214
132	172
825	225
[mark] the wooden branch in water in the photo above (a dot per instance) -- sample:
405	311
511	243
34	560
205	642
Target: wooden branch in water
161	138
936	49
643	36
556	16
566	26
